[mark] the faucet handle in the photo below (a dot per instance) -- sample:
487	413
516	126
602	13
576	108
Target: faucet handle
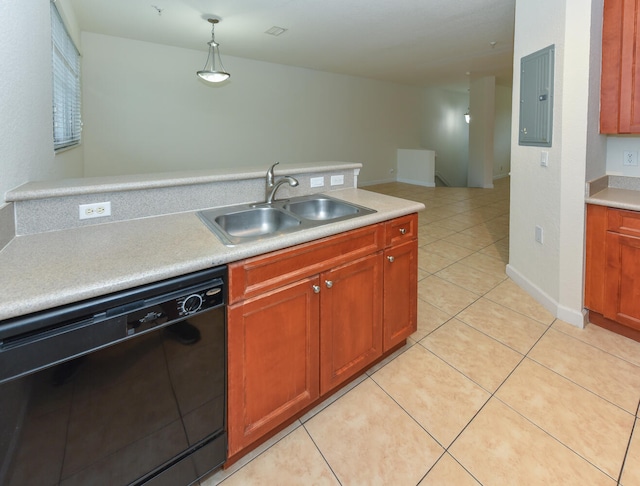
270	175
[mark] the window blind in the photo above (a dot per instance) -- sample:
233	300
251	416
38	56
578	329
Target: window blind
67	123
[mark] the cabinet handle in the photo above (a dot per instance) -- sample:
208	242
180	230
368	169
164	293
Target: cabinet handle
316	289
328	283
403	231
391	259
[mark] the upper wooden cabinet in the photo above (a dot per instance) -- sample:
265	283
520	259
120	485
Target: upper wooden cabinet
620	82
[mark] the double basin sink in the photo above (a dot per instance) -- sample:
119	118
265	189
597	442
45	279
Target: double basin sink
251	222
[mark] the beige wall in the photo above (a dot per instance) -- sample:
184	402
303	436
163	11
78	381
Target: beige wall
146	111
553	197
26	144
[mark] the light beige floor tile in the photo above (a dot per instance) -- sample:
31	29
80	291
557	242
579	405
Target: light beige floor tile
432	232
448	472
456	224
429	318
432	262
606	375
470	242
368	439
221	474
510	295
507	326
422	274
438	397
448	250
292	461
479	357
444	295
500	447
631	471
608	341
592	427
469	278
487	264
499	250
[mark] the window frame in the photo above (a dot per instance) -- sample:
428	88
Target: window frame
66	95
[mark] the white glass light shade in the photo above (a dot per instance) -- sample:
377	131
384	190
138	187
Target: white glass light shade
467	117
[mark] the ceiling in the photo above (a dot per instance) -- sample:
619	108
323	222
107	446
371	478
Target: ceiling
418	42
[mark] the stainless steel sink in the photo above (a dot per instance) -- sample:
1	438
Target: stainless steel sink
251	222
256	222
321	208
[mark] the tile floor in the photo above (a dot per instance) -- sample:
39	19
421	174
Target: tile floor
490	390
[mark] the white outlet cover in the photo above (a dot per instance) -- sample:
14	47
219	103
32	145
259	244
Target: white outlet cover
316	181
337	180
94	210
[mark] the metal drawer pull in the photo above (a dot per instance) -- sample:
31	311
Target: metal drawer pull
316	289
328	283
391	259
403	231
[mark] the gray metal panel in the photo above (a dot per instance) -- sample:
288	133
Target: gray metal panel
536	98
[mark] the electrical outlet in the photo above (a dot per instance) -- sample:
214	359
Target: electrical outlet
95	210
539	235
630	158
337	180
316	181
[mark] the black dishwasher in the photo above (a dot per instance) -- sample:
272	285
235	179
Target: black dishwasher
128	388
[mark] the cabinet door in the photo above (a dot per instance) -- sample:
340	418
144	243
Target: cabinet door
400	293
622	279
273	343
350	319
620	78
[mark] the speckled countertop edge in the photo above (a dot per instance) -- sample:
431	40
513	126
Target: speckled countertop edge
47	270
91	185
615	191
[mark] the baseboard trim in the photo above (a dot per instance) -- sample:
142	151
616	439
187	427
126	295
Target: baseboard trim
572	316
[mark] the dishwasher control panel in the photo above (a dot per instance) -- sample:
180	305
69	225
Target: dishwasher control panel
191	302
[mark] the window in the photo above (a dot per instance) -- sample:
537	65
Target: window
67	123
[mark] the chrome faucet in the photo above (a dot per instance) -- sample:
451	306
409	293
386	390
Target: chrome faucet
272	185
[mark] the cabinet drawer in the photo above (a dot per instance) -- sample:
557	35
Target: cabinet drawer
401	229
623	222
253	276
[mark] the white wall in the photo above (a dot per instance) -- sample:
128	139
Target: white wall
482	132
26	145
146	111
553	197
502	133
445	131
616	146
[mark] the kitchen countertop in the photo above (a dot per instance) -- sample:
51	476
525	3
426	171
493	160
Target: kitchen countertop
616	198
615	191
46	270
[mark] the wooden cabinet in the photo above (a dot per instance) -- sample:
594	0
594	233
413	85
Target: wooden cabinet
350	320
400	293
305	320
400	280
612	283
273	345
620	78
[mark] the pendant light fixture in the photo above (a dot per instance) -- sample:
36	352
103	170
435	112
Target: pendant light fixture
209	73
